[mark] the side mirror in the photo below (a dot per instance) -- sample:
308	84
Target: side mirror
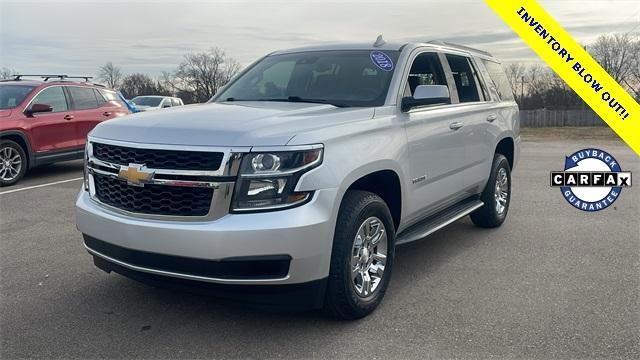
39	108
426	95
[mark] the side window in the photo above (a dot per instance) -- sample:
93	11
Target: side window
109	95
82	98
175	102
99	97
499	79
166	103
465	78
53	96
425	70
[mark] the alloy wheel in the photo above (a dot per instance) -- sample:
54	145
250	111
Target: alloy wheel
368	257
501	193
10	163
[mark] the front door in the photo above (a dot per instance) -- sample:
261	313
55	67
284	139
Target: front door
54	131
436	146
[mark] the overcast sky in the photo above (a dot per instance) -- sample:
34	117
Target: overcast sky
76	37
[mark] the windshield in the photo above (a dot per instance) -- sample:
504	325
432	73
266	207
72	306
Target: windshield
341	78
12	95
146	100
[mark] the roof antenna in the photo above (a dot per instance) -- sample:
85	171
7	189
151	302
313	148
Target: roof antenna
379	41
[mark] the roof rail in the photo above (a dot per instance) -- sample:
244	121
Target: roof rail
458	46
46	77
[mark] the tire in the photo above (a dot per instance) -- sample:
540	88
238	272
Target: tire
13	162
348	297
496	206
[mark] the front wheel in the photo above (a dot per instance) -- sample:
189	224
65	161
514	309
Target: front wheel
13	162
362	256
496	195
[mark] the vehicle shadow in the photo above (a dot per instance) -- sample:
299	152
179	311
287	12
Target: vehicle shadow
52	172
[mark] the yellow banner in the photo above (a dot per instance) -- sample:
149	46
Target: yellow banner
574	65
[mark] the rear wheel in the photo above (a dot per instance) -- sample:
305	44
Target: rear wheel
496	195
362	256
13	162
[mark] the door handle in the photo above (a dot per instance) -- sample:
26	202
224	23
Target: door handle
107	113
491	117
455	125
68	117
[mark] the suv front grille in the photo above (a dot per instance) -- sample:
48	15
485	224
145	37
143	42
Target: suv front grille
153	199
158	159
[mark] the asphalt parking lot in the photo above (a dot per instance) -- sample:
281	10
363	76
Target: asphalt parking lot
552	282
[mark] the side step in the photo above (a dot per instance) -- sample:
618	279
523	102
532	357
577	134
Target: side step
438	221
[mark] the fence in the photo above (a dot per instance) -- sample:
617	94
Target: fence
544	118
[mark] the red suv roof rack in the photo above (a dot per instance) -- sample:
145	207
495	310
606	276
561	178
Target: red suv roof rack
46	77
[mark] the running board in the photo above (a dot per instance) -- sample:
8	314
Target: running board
438	221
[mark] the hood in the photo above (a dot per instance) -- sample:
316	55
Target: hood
5	113
227	124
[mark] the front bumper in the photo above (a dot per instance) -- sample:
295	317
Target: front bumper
303	234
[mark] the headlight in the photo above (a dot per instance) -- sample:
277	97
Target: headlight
267	180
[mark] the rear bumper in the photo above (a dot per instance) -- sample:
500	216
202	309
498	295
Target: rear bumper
300	238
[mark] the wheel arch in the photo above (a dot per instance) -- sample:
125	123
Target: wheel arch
21	139
384	182
506	147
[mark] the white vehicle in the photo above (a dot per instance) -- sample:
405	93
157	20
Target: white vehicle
301	176
153	102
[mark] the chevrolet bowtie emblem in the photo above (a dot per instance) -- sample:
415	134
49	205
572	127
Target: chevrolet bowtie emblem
135	174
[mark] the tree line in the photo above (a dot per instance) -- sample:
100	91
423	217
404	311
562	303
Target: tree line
201	74
196	78
536	86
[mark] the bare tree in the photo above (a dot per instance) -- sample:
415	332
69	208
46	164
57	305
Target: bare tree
202	74
6	73
633	82
515	73
141	84
615	53
111	75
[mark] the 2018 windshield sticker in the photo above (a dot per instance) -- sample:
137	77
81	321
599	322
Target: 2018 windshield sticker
382	60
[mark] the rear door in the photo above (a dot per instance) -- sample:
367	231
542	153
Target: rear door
474	111
86	110
54	131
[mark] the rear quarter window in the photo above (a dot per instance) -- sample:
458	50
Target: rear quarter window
500	80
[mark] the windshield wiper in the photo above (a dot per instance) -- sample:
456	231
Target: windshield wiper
315	101
294	99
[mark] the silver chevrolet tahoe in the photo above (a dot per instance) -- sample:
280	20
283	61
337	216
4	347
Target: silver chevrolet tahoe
296	181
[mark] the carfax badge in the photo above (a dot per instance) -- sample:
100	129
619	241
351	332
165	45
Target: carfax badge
592	179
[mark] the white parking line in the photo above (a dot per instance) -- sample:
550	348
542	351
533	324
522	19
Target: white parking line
41	185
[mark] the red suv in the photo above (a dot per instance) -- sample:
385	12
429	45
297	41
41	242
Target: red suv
46	121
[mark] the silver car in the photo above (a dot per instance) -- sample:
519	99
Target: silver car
297	180
155	102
